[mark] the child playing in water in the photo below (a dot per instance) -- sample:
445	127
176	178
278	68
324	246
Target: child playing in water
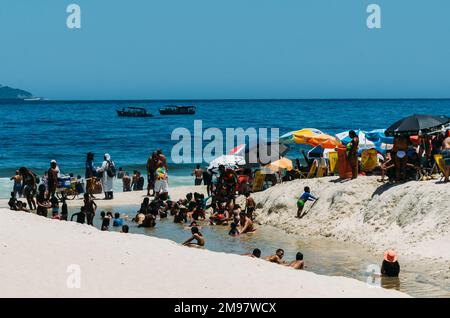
233	231
306	196
196	235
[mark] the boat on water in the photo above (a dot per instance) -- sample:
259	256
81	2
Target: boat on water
133	112
177	110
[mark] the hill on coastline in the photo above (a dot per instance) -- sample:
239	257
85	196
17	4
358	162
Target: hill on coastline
10	93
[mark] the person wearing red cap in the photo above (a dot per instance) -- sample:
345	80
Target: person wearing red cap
446	155
390	266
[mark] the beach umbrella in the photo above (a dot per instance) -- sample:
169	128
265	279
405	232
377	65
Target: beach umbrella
238	151
314	137
378	135
229	161
288	138
365	143
418	124
262	153
283	163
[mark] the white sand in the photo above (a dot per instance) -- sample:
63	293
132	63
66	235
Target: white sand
35	253
413	218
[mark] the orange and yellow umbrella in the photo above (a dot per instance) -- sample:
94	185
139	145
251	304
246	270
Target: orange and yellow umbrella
283	163
314	137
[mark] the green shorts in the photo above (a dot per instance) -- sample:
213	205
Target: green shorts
300	204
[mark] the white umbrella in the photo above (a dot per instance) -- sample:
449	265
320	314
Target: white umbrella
229	161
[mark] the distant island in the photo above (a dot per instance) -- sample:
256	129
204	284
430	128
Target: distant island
9	93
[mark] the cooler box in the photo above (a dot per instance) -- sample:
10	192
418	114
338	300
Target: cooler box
65	183
344	168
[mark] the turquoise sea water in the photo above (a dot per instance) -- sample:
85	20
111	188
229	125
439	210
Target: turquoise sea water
32	134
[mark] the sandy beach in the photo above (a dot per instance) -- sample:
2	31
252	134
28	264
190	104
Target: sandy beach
37	252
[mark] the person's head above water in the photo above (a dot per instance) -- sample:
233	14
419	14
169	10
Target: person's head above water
125	228
352	134
307	189
299	256
233	225
102	214
280	253
117	215
257	252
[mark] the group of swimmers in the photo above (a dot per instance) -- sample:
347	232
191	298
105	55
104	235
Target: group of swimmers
277	258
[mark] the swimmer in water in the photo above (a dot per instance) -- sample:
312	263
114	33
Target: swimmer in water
298	263
277	258
196	235
233	231
255	254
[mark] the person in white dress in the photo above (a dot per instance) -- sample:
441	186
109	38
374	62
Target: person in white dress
107	179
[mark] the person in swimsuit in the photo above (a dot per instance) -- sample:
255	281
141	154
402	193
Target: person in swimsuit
126	182
196	235
245	223
446	155
29	183
250	205
306	196
90	208
400	149
152	163
277	258
255	254
42	203
52	179
352	153
17	184
198	173
298	263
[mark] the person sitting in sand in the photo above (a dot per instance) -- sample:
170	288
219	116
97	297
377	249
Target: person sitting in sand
250	205
197	236
117	220
446	155
246	225
390	266
298	263
387	165
233	230
22	206
12	203
255	254
81	216
125	229
305	197
277	258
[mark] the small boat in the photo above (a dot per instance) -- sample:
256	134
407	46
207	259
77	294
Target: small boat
133	112
177	110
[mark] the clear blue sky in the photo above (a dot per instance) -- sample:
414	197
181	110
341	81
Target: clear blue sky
175	49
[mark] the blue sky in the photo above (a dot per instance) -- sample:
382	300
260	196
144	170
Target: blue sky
189	49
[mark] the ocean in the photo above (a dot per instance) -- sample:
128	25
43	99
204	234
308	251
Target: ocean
32	134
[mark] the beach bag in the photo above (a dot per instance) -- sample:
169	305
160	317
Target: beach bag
111	169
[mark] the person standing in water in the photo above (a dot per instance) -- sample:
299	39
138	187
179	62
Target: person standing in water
89	207
250	205
126	182
152	163
306	196
352	153
197	236
198	173
446	155
17	188
90	174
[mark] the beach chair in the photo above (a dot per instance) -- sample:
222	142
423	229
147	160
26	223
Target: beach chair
440	165
312	171
333	158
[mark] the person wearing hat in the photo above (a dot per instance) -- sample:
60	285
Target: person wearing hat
390	266
446	155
